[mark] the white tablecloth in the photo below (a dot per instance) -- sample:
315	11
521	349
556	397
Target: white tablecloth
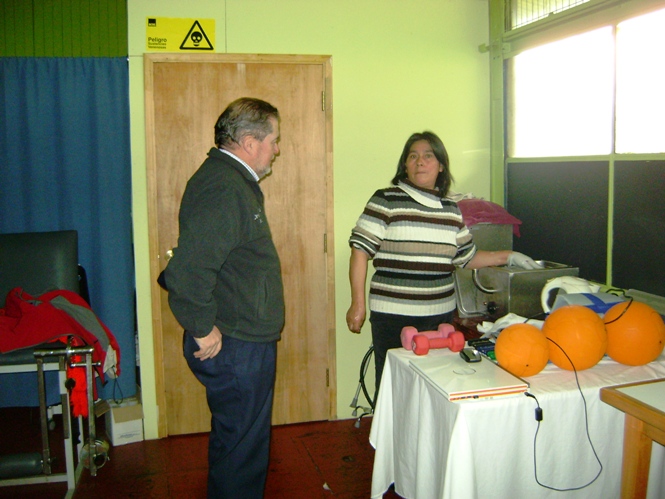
432	448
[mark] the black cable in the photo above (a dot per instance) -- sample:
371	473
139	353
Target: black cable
536	317
630	302
616	291
539	411
586	424
612	291
363	370
117	385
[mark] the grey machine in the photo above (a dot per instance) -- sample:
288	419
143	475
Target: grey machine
496	291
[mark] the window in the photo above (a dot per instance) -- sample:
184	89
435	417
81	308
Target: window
564	94
523	12
584	125
562	98
640	104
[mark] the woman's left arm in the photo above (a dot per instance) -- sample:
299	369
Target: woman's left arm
494	258
488	259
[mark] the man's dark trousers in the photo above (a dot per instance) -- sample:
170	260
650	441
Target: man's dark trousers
239	384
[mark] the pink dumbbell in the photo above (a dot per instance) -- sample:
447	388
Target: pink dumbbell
408	332
422	344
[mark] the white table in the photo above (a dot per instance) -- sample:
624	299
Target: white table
432	448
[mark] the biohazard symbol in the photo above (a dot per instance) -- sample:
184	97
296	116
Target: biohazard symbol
196	39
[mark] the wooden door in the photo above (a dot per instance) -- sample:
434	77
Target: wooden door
184	96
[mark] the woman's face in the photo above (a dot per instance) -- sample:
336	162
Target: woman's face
422	167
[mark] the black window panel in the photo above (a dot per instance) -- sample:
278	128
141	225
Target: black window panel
563	209
639	226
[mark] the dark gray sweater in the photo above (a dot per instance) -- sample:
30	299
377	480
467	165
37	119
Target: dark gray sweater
225	270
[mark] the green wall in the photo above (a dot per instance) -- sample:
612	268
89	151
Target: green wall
398	67
63	28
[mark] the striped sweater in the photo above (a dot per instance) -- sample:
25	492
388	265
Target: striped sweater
416	240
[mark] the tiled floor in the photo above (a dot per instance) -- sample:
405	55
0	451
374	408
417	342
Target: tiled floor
308	460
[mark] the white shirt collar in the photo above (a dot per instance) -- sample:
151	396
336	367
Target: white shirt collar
422	196
249	169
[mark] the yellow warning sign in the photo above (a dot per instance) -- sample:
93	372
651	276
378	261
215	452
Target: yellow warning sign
169	34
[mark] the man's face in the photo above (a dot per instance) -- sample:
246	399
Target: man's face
266	150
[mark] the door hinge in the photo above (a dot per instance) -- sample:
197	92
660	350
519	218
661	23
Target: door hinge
325	243
323	100
327	378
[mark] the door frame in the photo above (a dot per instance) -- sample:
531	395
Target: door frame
149	60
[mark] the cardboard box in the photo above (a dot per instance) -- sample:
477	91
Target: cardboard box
124	423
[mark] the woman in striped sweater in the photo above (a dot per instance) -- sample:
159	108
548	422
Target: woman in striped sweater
416	237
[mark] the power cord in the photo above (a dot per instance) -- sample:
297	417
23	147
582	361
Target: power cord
630	302
117	386
539	418
364	365
539	411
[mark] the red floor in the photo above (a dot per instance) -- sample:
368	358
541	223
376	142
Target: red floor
308	460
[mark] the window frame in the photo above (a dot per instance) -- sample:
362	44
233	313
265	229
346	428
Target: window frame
504	45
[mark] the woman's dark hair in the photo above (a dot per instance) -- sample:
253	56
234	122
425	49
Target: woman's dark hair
444	179
243	117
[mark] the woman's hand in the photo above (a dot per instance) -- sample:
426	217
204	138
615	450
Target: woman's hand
484	259
355	317
522	261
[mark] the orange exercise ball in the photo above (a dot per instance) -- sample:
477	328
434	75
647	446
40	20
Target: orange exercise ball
580	333
637	337
522	349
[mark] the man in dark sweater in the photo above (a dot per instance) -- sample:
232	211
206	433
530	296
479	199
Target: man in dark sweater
225	290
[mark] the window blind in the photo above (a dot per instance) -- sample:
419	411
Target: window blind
523	12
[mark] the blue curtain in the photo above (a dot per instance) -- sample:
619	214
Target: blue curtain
65	164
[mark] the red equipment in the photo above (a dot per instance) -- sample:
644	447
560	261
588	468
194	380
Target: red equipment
408	332
421	342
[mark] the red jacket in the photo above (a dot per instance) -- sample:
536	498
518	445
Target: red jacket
27	321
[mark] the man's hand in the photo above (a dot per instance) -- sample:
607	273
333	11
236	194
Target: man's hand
210	345
516	259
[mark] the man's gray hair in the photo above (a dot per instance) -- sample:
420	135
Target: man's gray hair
243	117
